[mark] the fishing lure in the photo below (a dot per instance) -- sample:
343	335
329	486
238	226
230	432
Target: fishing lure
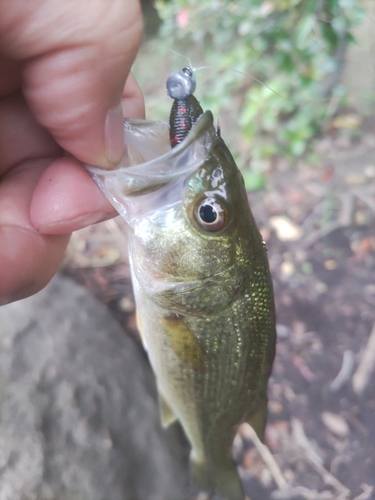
185	109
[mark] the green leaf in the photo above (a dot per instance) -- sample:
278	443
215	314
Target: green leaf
254	181
288	45
304	30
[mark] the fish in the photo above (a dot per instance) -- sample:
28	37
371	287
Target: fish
202	286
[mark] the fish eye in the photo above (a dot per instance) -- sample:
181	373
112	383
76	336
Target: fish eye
211	215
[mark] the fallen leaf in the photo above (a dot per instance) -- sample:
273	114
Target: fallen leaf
285	228
336	424
349	121
356	179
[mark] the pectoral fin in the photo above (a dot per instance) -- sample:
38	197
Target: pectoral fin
167	416
184	343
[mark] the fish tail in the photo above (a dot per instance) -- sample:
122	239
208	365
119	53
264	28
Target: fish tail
225	482
228	484
200	472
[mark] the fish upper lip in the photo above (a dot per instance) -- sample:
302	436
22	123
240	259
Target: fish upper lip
202	126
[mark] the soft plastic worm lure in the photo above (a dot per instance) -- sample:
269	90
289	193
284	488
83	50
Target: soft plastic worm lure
185	109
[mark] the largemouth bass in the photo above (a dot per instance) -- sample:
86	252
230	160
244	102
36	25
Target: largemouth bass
202	287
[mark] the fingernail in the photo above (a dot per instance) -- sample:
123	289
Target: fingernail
114	134
67	226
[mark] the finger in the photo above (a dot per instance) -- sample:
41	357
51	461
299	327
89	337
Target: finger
28	258
11	75
66	198
74	72
133	105
21	137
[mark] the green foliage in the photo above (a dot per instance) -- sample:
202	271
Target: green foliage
289	53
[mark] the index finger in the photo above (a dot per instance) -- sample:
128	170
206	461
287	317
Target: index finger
77	56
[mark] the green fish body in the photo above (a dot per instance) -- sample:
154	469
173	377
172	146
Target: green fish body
204	298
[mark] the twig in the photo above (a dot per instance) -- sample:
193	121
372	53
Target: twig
315	236
212	496
345	372
304	443
367	492
362	195
248	432
311	219
365	366
351	417
346	209
315	460
204	496
302	492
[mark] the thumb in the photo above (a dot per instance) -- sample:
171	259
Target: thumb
77	57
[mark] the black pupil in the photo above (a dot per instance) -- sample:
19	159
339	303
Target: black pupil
208	214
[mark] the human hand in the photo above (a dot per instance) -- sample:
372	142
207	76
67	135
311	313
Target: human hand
63	68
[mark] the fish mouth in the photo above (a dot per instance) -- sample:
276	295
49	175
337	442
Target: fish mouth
145	169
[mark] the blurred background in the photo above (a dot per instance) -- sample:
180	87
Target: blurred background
292	83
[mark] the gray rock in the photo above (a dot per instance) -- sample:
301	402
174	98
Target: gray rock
78	412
